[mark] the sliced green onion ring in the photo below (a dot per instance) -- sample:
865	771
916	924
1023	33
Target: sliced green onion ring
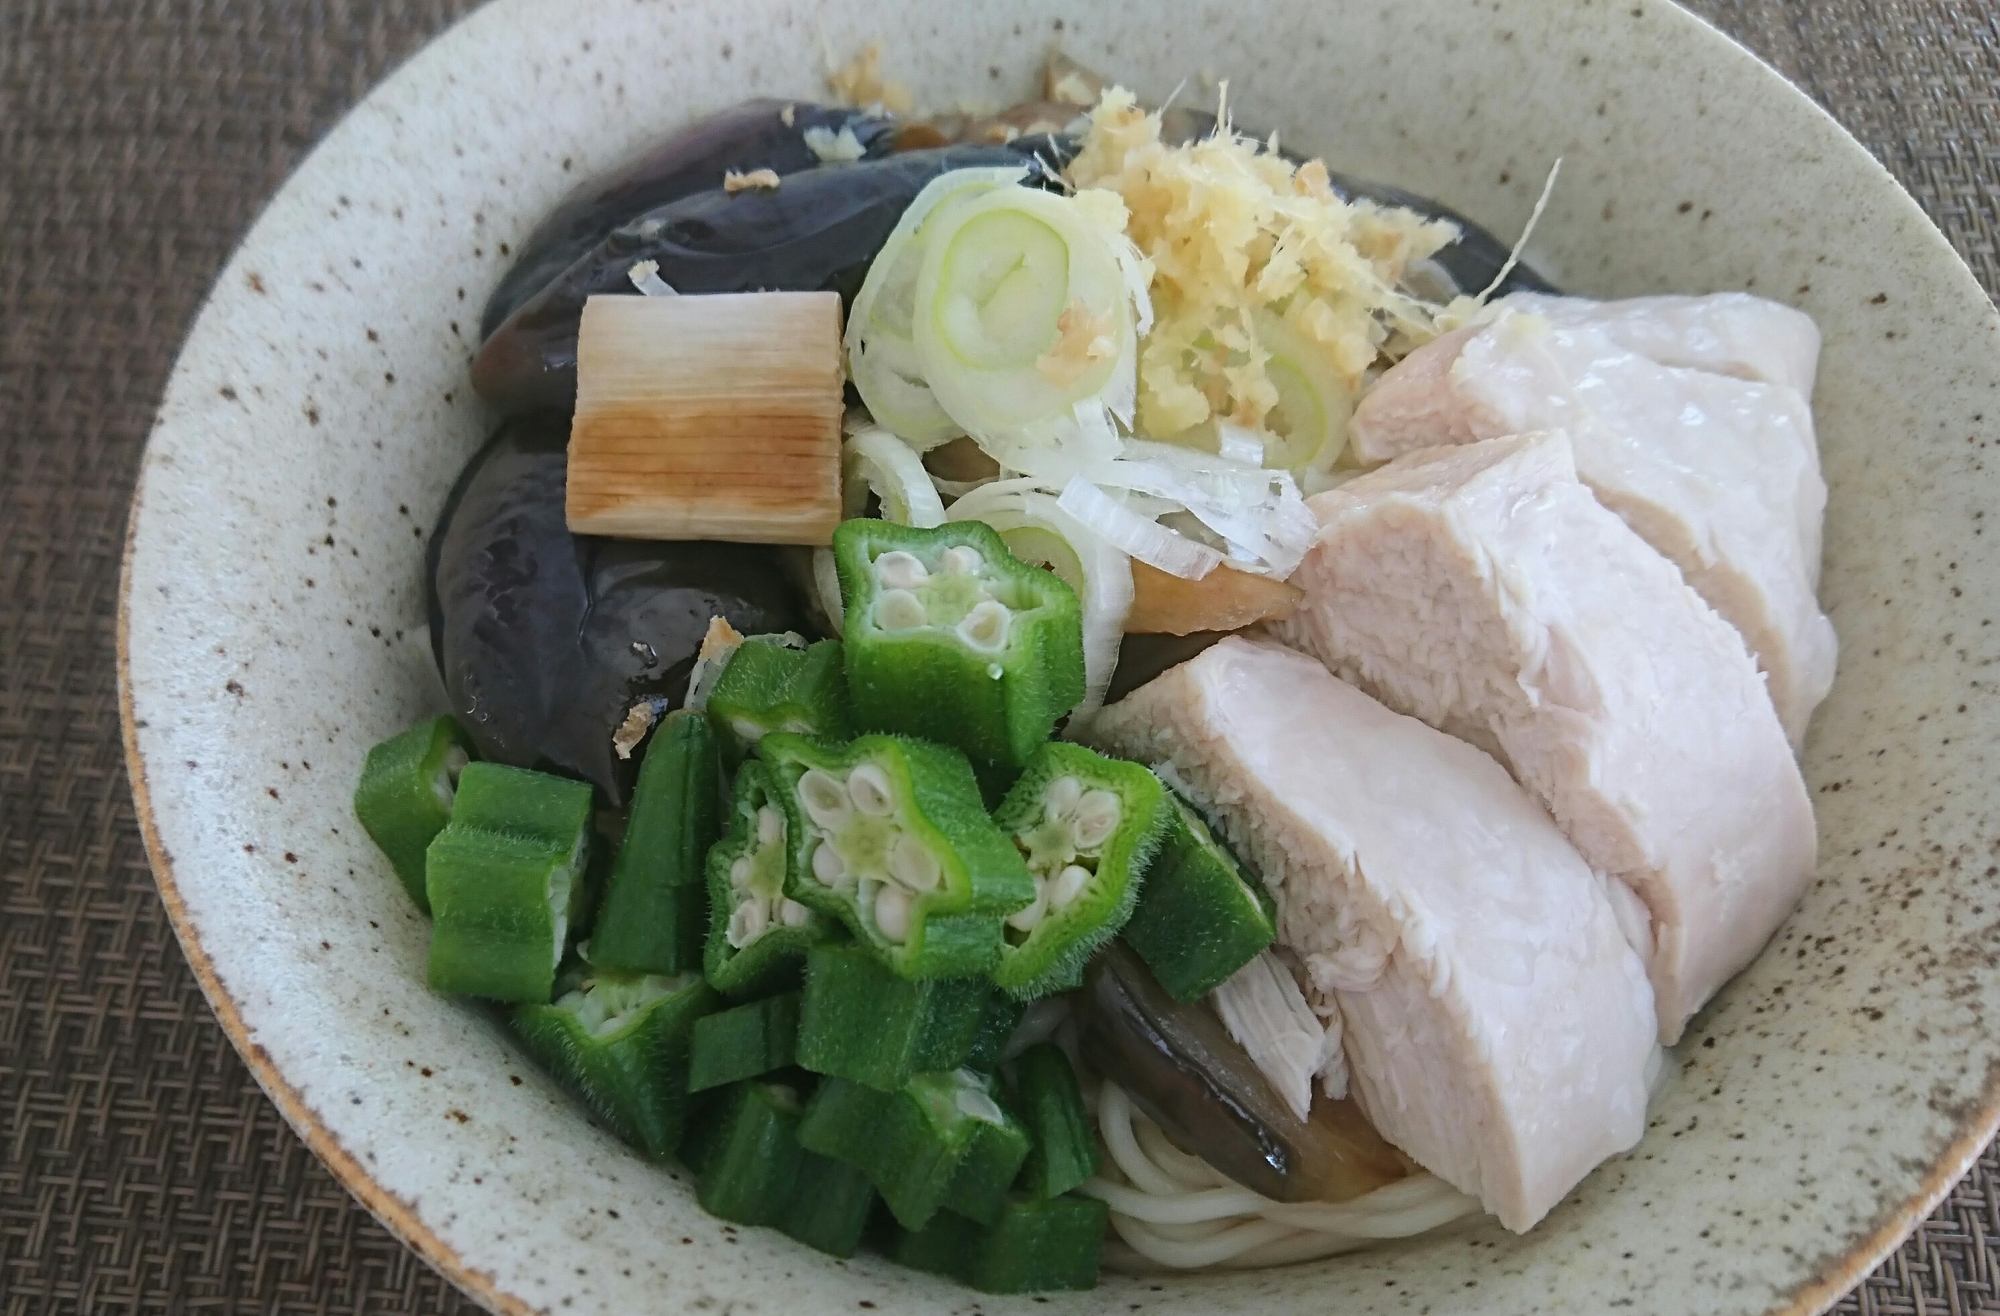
874	459
1309	424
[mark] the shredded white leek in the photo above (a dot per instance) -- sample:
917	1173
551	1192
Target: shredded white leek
1141	537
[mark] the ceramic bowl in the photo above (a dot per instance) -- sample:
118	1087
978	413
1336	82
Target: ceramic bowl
1819	1107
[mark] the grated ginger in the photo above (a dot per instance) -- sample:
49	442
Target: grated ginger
859	82
1237	234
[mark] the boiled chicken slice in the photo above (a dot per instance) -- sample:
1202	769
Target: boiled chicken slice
1496	1022
1689	418
1484	590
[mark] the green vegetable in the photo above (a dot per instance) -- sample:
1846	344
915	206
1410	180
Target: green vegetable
1064	1151
859	1021
1200	917
952	638
1002	1017
654	916
1088	826
1035	1246
504	880
404	799
751	1170
770	686
756	934
942	1140
620	1042
744	1042
890	836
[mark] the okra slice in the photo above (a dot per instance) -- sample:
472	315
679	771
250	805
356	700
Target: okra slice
1201	916
952	638
749	1162
505	882
1087	826
1002	1017
654	916
1034	1246
889	835
744	1042
859	1021
621	1043
771	685
1064	1137
830	1205
940	1138
405	795
756	933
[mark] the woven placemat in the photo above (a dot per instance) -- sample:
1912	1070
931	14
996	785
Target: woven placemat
140	1168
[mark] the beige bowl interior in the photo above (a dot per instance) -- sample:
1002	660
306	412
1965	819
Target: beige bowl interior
320	410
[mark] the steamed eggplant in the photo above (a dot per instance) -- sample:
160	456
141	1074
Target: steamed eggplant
758	134
817	231
547	639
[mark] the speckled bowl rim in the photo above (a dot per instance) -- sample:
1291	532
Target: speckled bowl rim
1975	1126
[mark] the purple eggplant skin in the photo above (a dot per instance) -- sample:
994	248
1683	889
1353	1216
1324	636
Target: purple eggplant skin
818	231
546	639
752	135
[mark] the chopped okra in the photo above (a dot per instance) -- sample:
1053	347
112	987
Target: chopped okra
940	1141
751	1169
859	1021
1034	1246
1063	1135
744	1042
621	1043
1201	917
405	796
1087	826
770	685
996	1026
757	933
505	882
889	835
952	638
654	916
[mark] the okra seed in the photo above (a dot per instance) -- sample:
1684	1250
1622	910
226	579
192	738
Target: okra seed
1068	885
868	787
892	911
985	627
748	921
827	864
1061	796
1097	815
975	1102
770	826
746	730
899	570
739	873
1026	920
913	864
900	610
824	798
962	560
792	914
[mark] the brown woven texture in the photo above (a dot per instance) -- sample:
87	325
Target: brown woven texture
140	1168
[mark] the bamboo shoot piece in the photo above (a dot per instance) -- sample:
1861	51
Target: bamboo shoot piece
708	417
1224	600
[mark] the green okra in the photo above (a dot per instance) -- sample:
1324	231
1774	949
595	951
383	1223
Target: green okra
1088	826
505	881
1063	1134
889	835
405	795
654	915
744	1042
752	1170
1002	1017
757	934
621	1044
770	685
1201	916
1034	1246
952	638
830	1207
859	1021
941	1140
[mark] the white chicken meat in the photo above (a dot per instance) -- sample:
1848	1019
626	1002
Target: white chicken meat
1484	590
1496	1022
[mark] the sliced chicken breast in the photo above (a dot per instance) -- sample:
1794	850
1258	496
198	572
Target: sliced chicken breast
1689	418
1484	590
1497	1024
